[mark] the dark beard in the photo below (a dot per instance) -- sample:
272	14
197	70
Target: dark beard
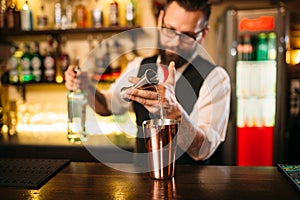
178	55
167	57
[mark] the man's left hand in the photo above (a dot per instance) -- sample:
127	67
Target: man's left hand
165	96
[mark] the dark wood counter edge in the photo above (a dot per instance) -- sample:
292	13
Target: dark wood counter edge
77	153
91	180
57	146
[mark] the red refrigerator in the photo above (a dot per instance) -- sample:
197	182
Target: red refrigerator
255	42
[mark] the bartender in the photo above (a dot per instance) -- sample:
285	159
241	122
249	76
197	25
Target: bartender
192	90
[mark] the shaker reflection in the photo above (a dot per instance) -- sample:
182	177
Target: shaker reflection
164	189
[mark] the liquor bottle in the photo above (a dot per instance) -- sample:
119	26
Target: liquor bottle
26	17
115	65
106	75
26	65
14	65
272	51
13	16
262	47
66	18
64	57
1	112
97	15
114	13
81	15
57	15
49	62
3	14
10	15
69	15
77	103
99	60
37	63
42	18
130	13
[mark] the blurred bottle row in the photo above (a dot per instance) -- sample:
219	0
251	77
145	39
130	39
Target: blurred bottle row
258	47
29	63
66	14
256	78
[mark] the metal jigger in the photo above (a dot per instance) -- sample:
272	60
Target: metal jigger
149	78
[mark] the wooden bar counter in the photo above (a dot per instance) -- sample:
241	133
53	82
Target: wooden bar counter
92	180
56	146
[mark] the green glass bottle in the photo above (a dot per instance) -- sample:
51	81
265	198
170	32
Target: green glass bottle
272	51
26	65
262	47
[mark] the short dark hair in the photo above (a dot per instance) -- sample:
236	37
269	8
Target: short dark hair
193	5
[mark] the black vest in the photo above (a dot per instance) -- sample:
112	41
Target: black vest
186	90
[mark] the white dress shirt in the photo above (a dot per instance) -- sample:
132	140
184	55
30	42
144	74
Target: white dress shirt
210	113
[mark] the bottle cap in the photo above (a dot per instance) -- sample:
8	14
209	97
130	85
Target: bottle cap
272	35
262	35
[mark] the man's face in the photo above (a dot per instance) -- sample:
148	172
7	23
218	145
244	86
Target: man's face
181	31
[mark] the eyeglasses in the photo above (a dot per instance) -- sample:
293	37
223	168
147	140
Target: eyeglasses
186	37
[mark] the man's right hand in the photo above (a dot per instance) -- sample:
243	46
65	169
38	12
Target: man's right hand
72	80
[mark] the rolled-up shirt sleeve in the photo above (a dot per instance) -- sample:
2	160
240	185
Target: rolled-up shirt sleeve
208	117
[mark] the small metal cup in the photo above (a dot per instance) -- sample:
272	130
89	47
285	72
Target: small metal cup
161	144
149	78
